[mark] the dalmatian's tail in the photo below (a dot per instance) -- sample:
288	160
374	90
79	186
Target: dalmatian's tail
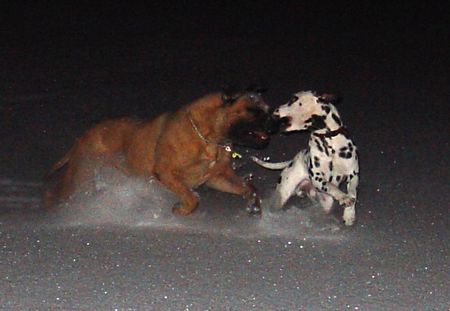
271	166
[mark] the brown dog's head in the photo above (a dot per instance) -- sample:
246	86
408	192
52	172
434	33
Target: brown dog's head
250	119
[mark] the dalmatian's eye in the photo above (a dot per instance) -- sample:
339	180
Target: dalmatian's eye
292	100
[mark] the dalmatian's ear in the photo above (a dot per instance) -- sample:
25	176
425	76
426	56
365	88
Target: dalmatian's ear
317	122
328	98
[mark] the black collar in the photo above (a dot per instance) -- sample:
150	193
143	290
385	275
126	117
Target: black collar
342	130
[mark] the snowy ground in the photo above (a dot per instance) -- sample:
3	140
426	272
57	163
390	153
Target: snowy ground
127	252
122	249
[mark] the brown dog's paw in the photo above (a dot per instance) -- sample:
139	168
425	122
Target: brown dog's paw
254	207
181	211
253	211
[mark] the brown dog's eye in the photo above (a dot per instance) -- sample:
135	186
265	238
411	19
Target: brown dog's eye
254	110
254	97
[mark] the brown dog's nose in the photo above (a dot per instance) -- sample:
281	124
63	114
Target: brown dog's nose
261	135
264	136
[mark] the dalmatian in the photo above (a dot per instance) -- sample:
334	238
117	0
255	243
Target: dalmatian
330	160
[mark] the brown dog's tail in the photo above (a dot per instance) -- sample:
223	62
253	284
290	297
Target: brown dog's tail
61	162
51	192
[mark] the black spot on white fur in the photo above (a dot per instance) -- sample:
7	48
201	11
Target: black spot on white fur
318	122
336	119
316	162
345	155
319	147
326	108
326	150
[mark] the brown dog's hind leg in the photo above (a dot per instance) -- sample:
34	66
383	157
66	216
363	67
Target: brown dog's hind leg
60	190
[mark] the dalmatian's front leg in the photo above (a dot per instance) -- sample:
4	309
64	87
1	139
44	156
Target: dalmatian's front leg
349	211
345	200
335	192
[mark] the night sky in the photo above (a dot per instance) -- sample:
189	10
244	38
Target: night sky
389	58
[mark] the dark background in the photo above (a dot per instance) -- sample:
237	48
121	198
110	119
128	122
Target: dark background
64	67
388	60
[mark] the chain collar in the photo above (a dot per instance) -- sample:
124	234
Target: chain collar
227	147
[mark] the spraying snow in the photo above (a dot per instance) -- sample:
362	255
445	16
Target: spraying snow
120	200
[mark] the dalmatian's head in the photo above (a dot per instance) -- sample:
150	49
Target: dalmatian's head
307	110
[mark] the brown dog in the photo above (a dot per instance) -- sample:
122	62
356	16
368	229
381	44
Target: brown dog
183	149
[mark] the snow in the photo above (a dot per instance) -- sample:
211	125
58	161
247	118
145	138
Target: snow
122	248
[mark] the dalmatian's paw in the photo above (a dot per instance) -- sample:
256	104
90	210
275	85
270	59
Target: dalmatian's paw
347	201
326	201
276	202
301	194
349	216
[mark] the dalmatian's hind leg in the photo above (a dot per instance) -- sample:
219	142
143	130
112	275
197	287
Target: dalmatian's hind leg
349	211
326	201
306	188
283	192
287	186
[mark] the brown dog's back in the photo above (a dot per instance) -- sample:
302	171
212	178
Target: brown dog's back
106	139
140	148
183	149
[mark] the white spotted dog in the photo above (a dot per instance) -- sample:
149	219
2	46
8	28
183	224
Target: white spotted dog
330	159
294	179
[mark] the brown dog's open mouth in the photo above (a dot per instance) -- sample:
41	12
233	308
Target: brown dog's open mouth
259	135
249	135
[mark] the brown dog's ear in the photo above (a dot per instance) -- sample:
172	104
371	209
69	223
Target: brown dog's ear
329	98
230	94
256	89
230	98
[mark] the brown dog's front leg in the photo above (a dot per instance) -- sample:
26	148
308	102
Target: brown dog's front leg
188	199
228	181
